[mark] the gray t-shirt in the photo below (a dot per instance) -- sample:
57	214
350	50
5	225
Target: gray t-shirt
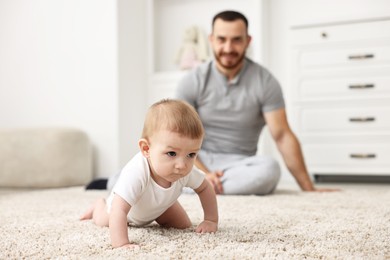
231	112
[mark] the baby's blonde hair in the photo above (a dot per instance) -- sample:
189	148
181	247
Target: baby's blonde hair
173	115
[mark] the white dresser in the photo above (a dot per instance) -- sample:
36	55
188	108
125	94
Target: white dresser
340	97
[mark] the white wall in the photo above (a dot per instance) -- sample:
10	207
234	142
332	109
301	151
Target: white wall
132	76
59	66
283	14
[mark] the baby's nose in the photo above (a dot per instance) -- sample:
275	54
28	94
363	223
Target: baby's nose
180	163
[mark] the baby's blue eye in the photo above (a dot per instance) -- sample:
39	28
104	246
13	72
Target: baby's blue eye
171	154
192	155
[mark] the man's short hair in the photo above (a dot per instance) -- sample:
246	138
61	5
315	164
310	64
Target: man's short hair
230	15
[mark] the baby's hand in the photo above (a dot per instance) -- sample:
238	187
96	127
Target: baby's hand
207	226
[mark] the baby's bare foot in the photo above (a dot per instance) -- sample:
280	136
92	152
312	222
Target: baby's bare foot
88	214
131	246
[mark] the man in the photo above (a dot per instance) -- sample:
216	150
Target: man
235	98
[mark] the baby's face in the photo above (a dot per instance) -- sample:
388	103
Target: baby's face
171	156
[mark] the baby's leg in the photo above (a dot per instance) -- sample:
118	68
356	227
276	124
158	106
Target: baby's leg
175	217
98	213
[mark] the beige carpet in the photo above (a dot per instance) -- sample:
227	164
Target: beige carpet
352	224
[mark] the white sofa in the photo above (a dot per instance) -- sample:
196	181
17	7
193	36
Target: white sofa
44	158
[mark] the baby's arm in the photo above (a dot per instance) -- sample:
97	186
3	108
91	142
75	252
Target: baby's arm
209	203
118	222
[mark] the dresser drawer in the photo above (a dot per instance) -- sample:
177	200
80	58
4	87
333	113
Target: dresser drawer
340	32
351	57
340	100
353	155
364	87
346	119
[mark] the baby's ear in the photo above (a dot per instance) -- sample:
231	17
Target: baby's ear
144	147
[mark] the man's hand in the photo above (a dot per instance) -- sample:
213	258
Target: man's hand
215	179
207	226
324	190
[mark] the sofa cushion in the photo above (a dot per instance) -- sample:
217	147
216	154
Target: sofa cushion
44	158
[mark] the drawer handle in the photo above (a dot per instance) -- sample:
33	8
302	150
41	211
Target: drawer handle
362	119
361	86
361	57
363	155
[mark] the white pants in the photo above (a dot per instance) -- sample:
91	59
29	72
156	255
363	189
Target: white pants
244	175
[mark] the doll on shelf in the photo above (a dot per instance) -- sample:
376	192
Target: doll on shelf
193	50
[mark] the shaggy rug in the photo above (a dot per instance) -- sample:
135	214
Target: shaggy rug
351	224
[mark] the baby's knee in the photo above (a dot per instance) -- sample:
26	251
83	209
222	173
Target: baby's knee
186	224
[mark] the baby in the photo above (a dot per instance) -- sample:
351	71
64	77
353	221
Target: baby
151	182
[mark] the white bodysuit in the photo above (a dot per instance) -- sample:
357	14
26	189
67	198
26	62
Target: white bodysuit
149	200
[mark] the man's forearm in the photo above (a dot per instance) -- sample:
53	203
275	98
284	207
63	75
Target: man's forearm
293	157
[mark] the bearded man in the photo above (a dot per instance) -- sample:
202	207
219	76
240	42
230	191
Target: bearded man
235	98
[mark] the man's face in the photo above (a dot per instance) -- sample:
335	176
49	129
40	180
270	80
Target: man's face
229	41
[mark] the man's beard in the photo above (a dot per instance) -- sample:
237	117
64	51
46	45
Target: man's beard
232	65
